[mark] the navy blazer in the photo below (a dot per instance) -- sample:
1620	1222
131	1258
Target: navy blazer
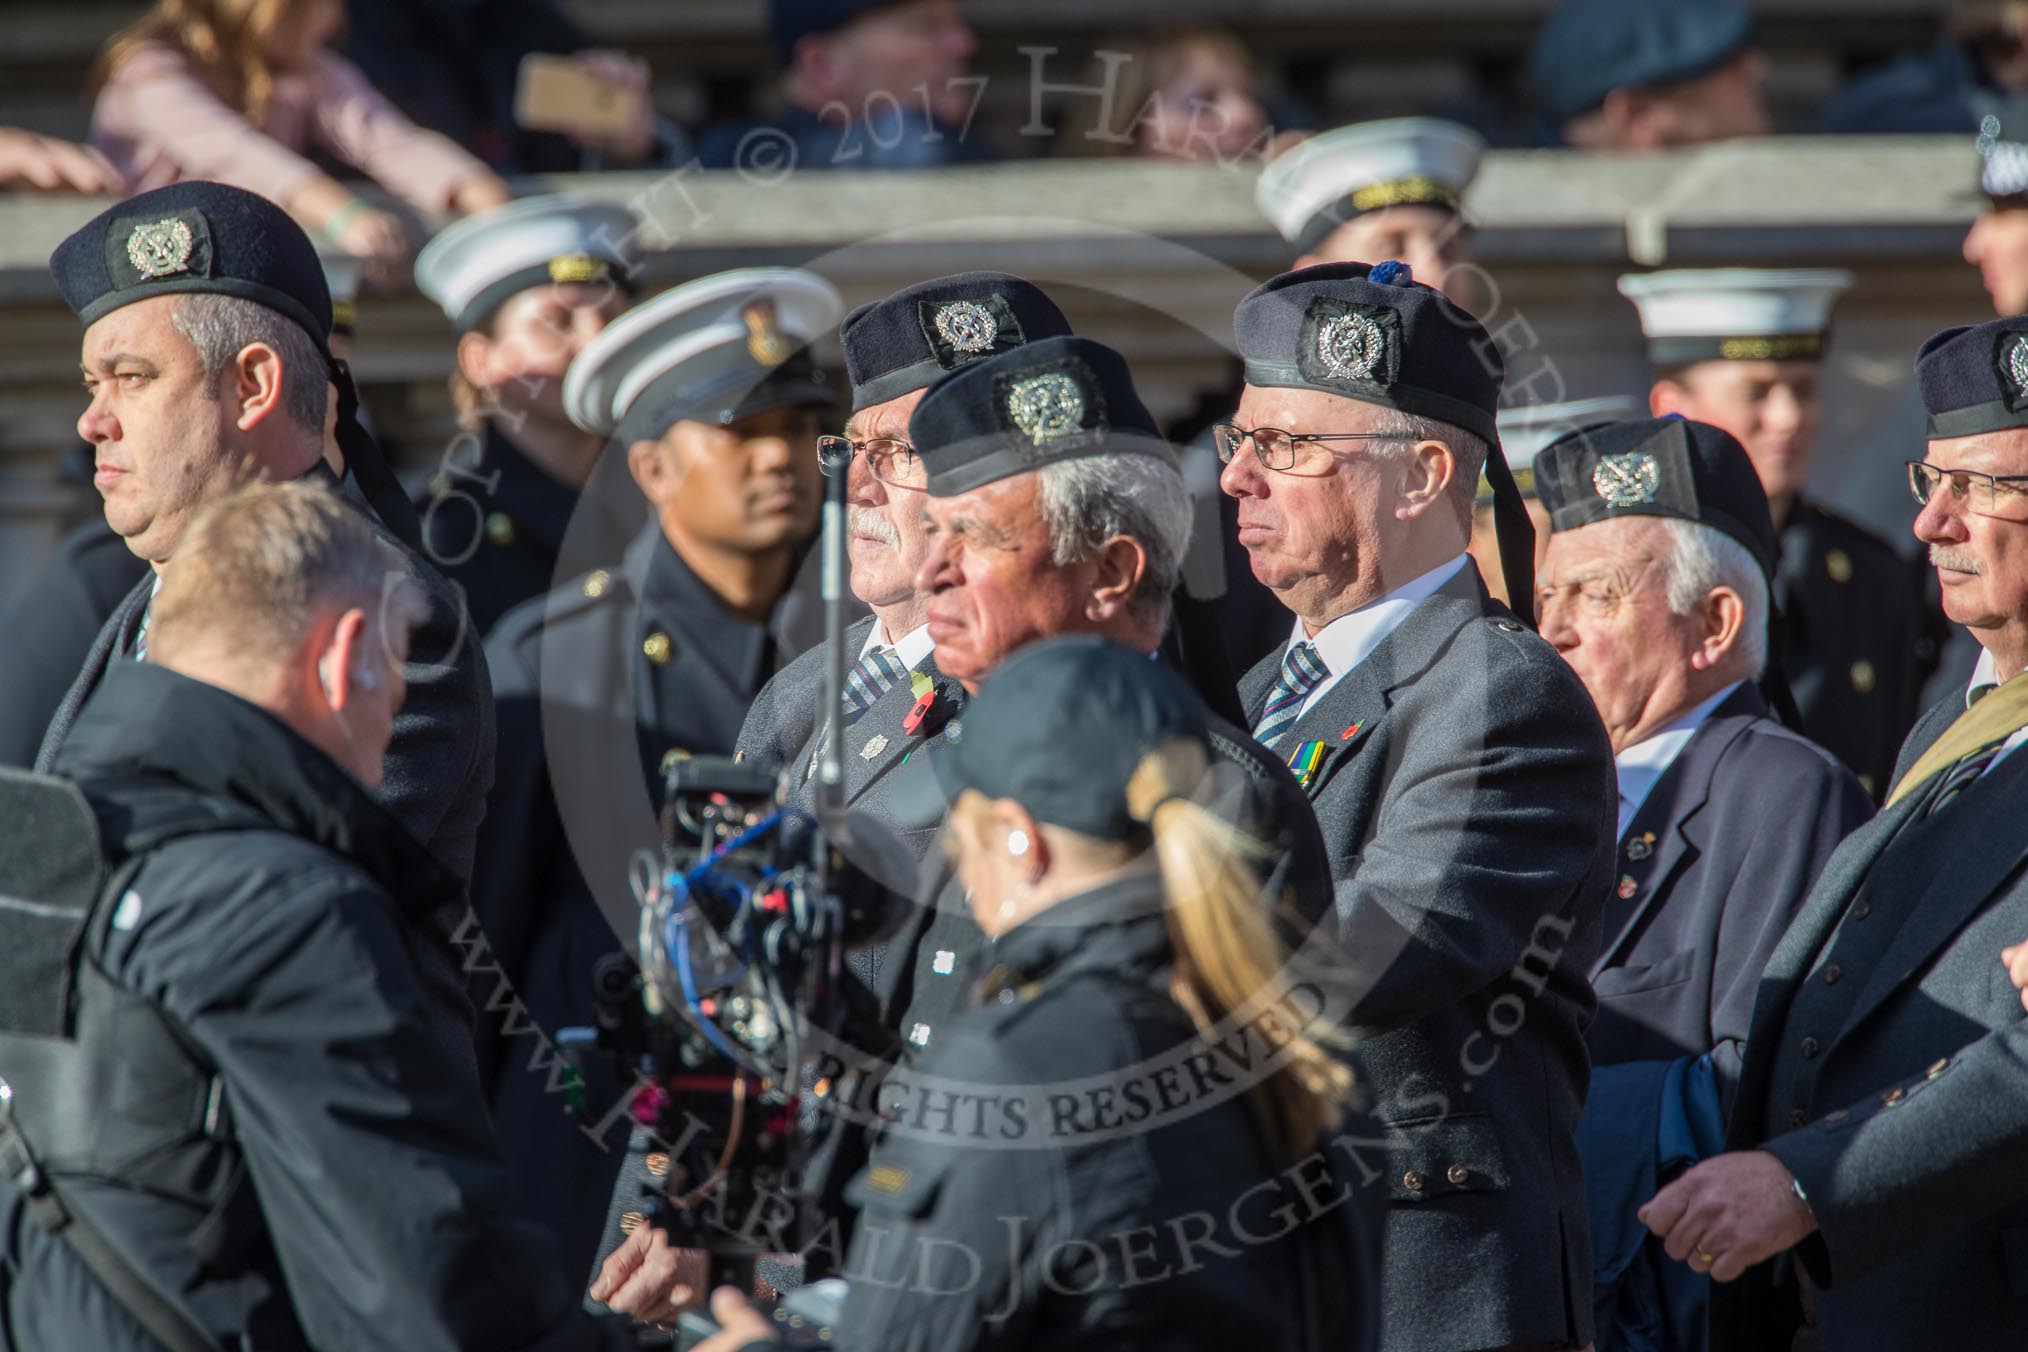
1712	868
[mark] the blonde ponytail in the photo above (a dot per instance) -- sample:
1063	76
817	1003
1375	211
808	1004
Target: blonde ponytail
1227	956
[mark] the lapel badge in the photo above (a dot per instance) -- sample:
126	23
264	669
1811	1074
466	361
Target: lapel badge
161	248
874	747
954	731
1628	887
1641	846
1304	760
1352	731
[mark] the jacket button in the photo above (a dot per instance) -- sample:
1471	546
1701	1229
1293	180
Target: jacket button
1863	676
631	1222
658	1164
1942	1064
658	649
596	584
1809	1048
1797	1118
500	528
1831	975
1861	909
1457	1174
1413	1181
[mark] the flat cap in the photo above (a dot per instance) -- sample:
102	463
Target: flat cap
922	333
1040	404
1335	176
194	237
1376	335
475	265
1668	467
713	350
1589	48
1112	704
1975	379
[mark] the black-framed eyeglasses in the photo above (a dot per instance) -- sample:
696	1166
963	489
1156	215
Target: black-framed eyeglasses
1280	450
889	459
1984	494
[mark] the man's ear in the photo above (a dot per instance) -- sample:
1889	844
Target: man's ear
257	385
655	467
1117	570
1427	478
1666	397
1723	618
476	355
342	657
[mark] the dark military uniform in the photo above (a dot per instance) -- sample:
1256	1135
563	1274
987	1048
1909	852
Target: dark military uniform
599	685
63	605
497	527
344	1189
1848	648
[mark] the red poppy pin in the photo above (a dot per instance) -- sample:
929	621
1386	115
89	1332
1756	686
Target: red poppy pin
1352	731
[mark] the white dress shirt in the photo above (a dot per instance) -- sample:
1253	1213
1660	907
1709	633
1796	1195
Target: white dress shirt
1984	675
1351	638
913	647
1645	762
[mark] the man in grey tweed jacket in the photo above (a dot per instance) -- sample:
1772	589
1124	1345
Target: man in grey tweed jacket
1462	779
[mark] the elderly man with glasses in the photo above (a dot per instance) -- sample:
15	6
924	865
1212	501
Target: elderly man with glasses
1882	1111
1460	773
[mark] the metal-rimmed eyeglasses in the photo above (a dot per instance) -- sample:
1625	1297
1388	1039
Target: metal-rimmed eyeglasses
2001	495
889	459
1284	451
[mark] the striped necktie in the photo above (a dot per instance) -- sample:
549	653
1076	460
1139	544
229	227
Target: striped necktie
875	675
1302	671
1962	776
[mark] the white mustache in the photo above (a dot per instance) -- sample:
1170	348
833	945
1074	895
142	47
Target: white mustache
871	524
1957	560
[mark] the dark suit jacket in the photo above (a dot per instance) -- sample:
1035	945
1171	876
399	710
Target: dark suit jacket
1896	1090
54	617
440	761
1467	799
1720	856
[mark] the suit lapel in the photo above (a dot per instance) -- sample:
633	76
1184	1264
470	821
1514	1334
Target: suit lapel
114	636
1664	836
877	741
1990	814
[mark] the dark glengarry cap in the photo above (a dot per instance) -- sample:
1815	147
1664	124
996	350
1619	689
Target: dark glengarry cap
1046	402
1112	704
1589	48
790	21
1975	379
922	333
1671	467
194	237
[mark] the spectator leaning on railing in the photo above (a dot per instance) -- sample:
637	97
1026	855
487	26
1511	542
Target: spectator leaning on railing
28	160
244	91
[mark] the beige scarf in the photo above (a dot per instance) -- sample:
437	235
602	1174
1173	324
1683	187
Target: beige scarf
1996	717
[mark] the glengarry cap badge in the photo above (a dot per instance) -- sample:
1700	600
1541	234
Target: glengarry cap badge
2014	367
1350	347
967	326
1047	406
160	248
1627	480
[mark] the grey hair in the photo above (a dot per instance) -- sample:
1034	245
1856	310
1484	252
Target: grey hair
1702	557
222	327
1467	448
1088	501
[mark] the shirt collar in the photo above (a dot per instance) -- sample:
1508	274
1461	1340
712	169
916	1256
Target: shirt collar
911	647
1350	639
1644	763
1985	675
